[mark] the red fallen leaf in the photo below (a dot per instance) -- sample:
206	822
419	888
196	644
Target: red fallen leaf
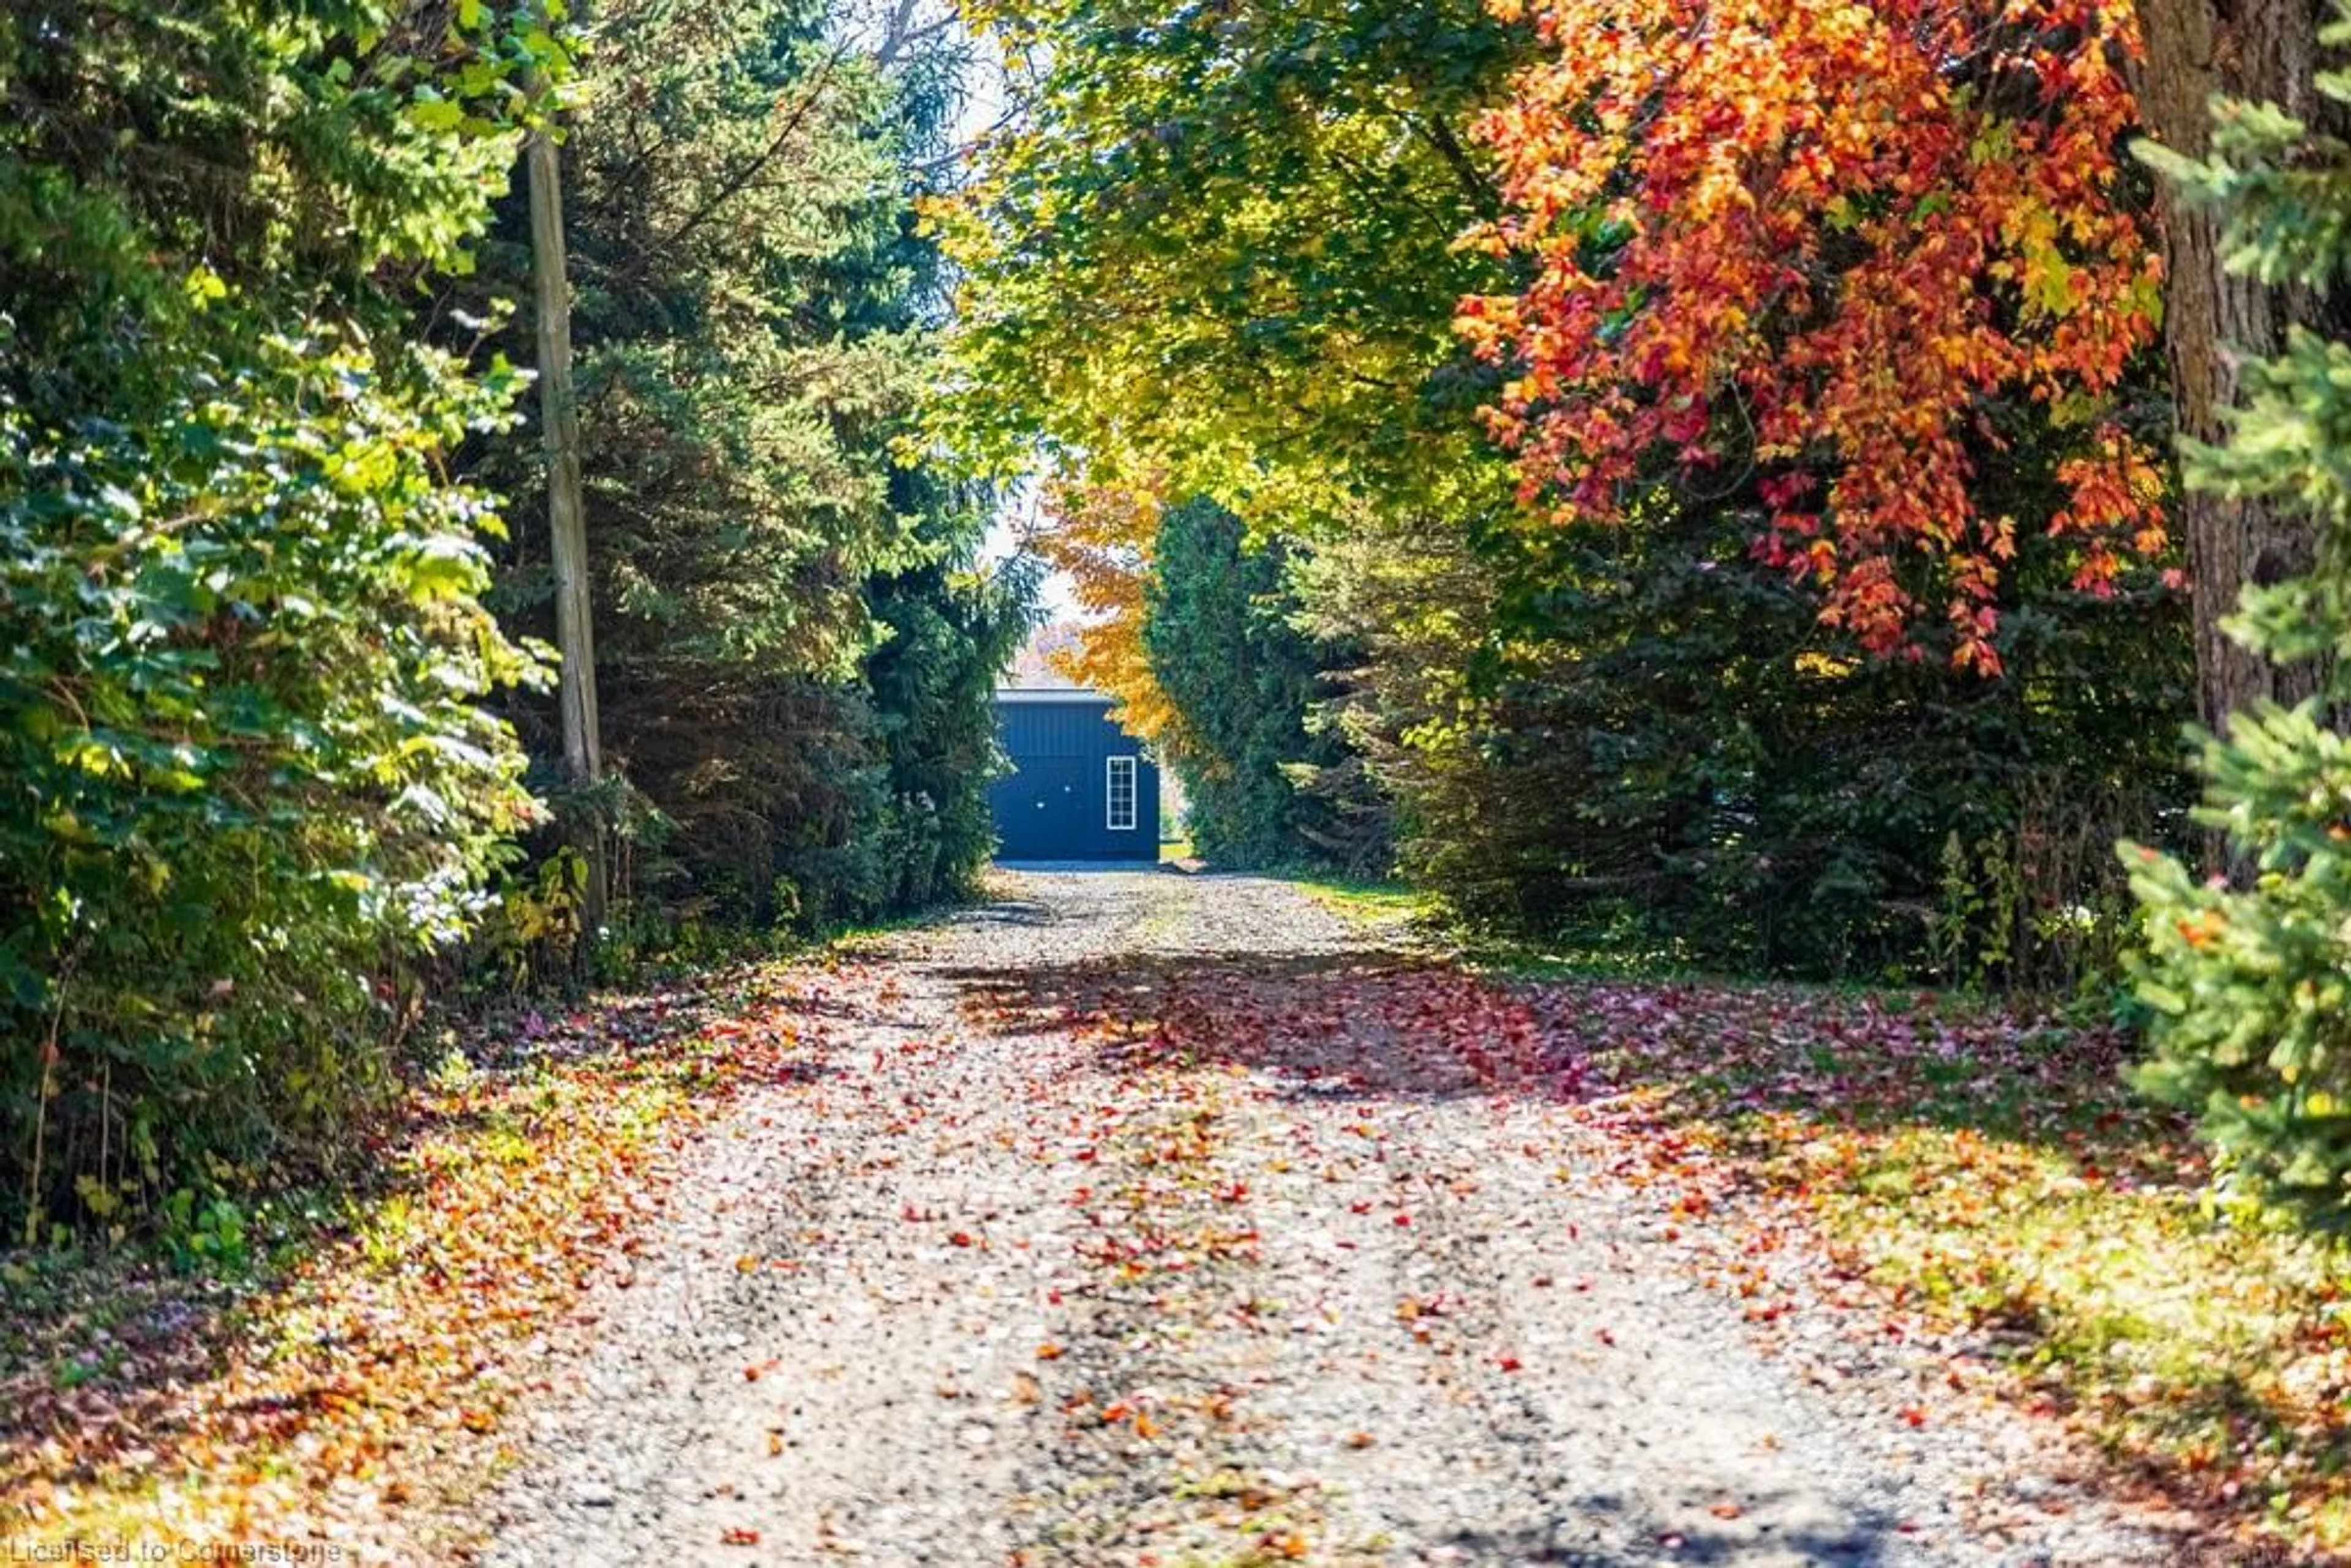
1403	1220
1605	1336
1508	1364
738	1536
1912	1414
960	1238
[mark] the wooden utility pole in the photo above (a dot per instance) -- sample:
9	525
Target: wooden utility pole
567	514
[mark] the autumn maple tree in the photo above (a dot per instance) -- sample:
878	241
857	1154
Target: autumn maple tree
1100	535
1788	249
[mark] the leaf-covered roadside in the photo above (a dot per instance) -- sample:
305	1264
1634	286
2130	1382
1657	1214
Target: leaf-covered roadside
1998	1186
343	1374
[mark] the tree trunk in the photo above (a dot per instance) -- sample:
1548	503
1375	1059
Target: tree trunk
566	513
2264	51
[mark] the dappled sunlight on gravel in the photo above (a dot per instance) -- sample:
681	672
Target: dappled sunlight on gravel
1165	1220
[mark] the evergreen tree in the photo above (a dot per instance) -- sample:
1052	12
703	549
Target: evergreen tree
2249	983
945	628
780	600
1266	785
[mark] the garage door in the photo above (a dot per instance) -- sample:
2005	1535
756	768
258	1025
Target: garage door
1046	811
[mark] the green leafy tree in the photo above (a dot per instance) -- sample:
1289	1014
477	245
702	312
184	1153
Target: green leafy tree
2248	982
246	777
1218	249
1215	256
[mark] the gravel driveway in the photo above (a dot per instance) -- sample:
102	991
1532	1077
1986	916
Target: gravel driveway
1144	1218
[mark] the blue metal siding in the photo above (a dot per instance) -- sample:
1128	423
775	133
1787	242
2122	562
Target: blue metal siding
1055	804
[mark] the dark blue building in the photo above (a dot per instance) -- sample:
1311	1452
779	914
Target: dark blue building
1081	787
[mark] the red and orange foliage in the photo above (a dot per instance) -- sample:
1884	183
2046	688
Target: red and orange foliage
1819	238
1099	534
